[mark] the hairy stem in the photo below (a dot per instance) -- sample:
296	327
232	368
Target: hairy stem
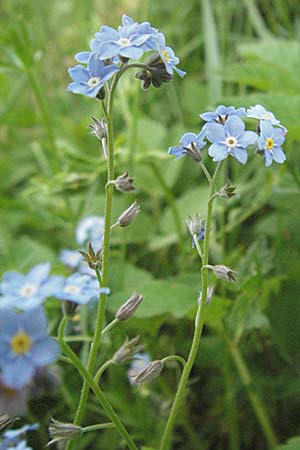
199	322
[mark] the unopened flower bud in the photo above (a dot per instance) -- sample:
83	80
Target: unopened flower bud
149	373
155	72
227	191
224	273
61	431
193	152
127	351
129	307
195	225
101	94
123	183
93	259
209	295
98	128
128	216
5	420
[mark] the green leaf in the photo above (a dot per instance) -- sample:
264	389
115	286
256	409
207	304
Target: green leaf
292	444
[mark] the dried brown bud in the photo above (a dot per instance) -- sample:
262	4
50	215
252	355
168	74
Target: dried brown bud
123	183
128	216
129	307
228	191
149	373
127	351
60	431
224	273
93	259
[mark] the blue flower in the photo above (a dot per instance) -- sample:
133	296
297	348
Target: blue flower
270	142
230	139
129	41
26	291
167	55
260	112
24	346
90	229
186	141
222	113
14	439
78	288
89	81
71	258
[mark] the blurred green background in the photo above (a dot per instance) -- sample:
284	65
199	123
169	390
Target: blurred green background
52	174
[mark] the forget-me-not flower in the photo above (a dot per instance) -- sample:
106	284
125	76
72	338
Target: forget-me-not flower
230	139
78	288
88	81
24	346
222	113
15	439
270	142
167	55
26	291
186	141
259	112
129	41
90	229
70	258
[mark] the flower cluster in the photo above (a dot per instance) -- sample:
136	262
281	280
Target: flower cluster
111	48
25	346
16	439
225	130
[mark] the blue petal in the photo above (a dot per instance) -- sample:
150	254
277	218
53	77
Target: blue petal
218	152
268	158
267	129
95	66
247	138
9	322
239	154
5	351
28	303
131	52
278	155
215	132
18	373
208	116
107	33
34	323
234	126
187	139
108	50
279	136
44	352
181	73
55	283
39	273
83	57
79	74
127	21
177	151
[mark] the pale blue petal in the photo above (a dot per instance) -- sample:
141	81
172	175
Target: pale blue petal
131	52
279	136
278	155
247	138
108	50
8	322
268	158
52	285
215	132
177	151
34	323
208	116
234	126
181	73
79	74
187	139
218	152
83	57
18	373
240	154
44	352
267	129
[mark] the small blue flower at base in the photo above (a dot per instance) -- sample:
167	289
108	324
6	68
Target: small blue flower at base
88	81
200	236
14	439
78	288
129	41
70	258
90	229
259	112
270	142
222	113
167	55
230	139
24	346
186	140
25	292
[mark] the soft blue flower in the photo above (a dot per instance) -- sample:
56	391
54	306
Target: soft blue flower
90	229
200	236
259	112
185	142
230	139
24	346
129	41
70	258
26	291
270	142
88	81
167	54
222	113
14	439
78	288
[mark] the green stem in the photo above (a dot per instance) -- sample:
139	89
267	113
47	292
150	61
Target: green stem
94	386
105	256
111	325
199	322
255	401
178	358
102	369
98	426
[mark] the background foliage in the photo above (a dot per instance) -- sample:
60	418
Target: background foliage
52	174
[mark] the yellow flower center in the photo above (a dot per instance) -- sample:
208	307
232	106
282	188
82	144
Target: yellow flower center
20	343
165	55
231	141
265	116
93	81
269	143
